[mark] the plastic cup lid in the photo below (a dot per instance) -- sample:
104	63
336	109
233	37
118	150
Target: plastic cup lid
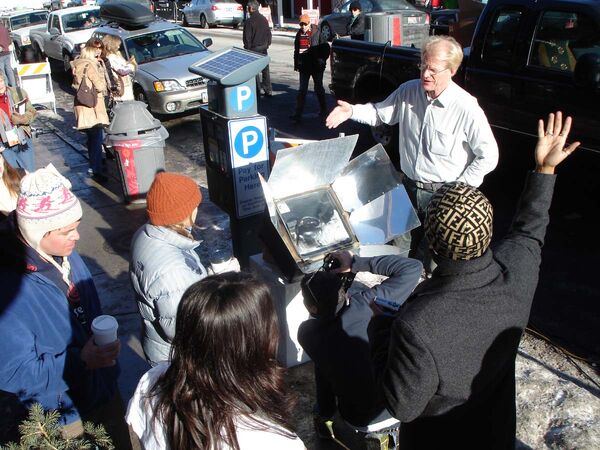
104	323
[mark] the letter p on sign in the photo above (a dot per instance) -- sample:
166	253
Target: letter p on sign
244	93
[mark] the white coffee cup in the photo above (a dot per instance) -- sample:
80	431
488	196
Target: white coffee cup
105	329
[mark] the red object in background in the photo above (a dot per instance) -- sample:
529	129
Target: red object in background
324	6
125	151
214	8
436	3
397	31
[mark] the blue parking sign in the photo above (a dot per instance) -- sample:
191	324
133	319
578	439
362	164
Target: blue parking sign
242	98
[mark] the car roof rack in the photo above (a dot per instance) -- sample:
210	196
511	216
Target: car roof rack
126	14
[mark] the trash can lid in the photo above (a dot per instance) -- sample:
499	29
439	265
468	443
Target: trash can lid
131	117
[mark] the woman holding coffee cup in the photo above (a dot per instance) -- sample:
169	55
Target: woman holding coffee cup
223	387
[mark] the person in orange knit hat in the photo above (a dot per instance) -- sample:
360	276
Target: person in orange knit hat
164	262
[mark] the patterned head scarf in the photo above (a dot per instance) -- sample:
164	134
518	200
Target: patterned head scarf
459	222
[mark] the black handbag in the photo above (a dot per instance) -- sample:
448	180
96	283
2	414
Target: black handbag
86	94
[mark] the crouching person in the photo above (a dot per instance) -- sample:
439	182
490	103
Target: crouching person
335	337
47	303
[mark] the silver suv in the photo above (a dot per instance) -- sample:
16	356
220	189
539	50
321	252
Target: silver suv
163	51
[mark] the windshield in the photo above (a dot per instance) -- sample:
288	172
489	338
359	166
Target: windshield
162	44
28	20
81	20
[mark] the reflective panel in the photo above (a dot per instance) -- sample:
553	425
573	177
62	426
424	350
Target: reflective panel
310	166
384	218
314	223
365	178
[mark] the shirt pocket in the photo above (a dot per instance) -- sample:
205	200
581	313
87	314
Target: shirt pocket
439	142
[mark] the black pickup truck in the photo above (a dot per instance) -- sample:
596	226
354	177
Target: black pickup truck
527	58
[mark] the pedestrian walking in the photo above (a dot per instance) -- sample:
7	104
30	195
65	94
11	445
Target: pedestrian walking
356	23
92	119
444	134
223	387
6	47
257	37
311	51
447	360
48	302
16	115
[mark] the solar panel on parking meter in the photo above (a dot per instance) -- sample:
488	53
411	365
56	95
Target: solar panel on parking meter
235	141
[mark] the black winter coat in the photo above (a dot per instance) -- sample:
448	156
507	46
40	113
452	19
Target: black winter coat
356	27
447	363
257	34
314	59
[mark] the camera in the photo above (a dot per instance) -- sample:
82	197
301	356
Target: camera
331	263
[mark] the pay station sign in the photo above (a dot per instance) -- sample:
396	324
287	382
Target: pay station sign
248	140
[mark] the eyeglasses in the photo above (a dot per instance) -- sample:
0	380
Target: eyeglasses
424	68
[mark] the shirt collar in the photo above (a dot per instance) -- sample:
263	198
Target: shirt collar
446	97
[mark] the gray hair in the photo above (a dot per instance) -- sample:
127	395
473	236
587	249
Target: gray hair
448	45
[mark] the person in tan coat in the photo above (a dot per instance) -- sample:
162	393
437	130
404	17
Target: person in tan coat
91	120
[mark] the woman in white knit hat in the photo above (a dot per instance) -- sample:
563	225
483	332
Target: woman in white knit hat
47	302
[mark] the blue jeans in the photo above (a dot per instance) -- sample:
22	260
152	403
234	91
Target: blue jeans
94	146
6	68
20	156
415	241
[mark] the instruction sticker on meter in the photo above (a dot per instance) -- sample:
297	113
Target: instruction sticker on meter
248	140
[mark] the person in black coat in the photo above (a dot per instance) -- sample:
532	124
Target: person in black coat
311	51
356	23
335	337
257	37
447	361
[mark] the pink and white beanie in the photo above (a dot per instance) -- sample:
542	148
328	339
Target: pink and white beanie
45	203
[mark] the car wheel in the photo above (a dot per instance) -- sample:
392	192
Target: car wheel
140	96
387	136
39	54
326	31
184	21
203	22
236	26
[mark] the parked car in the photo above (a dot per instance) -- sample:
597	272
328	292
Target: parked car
66	29
336	23
210	13
19	24
163	51
60	4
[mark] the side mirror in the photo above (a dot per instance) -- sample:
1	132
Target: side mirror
54	31
207	42
587	72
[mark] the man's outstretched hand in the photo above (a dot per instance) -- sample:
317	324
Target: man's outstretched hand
341	113
550	150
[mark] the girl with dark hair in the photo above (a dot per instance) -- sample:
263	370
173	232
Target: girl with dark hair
223	388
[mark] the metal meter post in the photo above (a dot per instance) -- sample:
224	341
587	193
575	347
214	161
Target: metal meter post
235	139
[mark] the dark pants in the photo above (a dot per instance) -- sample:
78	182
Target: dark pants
415	241
265	84
94	146
319	90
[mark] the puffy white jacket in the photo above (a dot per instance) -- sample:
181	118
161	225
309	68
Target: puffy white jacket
163	265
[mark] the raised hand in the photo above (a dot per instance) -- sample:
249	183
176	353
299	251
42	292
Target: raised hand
340	114
550	150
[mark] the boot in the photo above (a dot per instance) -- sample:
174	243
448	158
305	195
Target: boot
297	116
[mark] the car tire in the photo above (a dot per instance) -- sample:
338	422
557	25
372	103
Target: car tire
236	26
203	22
39	54
140	96
326	31
184	21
